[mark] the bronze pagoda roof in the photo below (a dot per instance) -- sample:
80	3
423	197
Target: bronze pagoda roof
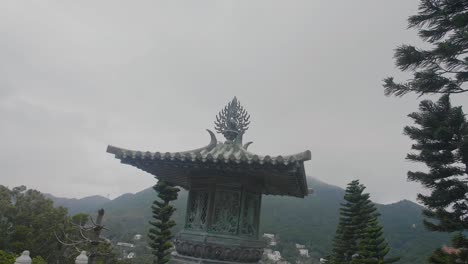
175	167
277	175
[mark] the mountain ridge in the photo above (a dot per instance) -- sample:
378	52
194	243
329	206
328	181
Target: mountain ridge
128	194
79	205
310	221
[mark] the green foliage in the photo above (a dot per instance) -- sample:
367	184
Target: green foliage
456	255
38	260
160	233
354	215
373	248
359	237
310	221
28	222
441	135
104	253
443	68
81	227
80	219
6	258
441	130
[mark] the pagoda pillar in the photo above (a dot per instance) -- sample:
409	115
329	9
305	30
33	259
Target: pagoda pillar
222	224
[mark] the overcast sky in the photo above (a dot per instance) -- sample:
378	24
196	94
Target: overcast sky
76	76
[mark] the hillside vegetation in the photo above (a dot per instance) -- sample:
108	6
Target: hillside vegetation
311	221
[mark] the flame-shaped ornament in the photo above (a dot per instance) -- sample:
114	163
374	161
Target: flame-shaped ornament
232	121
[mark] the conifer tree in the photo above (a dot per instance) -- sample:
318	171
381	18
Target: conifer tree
373	248
358	236
160	233
441	135
441	131
348	230
443	68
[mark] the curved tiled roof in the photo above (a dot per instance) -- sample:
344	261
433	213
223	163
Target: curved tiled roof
283	175
229	152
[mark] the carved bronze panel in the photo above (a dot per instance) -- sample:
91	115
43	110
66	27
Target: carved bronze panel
249	217
226	212
197	212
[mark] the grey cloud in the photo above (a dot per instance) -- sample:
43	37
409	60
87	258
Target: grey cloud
151	75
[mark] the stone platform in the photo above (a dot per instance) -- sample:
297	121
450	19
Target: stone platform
179	259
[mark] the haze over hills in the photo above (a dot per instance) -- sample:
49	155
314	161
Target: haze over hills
311	221
86	204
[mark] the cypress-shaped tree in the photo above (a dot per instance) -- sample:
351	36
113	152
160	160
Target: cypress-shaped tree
441	135
359	236
373	248
160	233
355	212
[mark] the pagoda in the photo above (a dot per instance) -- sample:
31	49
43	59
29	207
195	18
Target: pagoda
226	183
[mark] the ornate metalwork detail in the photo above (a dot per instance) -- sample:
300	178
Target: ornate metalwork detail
232	121
249	217
218	252
226	212
197	211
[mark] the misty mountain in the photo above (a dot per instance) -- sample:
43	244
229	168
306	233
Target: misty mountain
311	221
86	204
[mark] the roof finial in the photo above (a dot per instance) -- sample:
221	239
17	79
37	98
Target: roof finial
232	121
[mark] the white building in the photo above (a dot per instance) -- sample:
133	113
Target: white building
304	252
137	237
299	246
131	255
275	256
271	239
123	244
322	260
269	236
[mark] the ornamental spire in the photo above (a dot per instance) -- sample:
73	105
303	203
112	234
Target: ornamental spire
232	121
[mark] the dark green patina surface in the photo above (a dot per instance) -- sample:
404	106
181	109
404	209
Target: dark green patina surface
226	183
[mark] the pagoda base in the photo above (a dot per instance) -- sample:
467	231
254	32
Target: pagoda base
179	259
203	247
